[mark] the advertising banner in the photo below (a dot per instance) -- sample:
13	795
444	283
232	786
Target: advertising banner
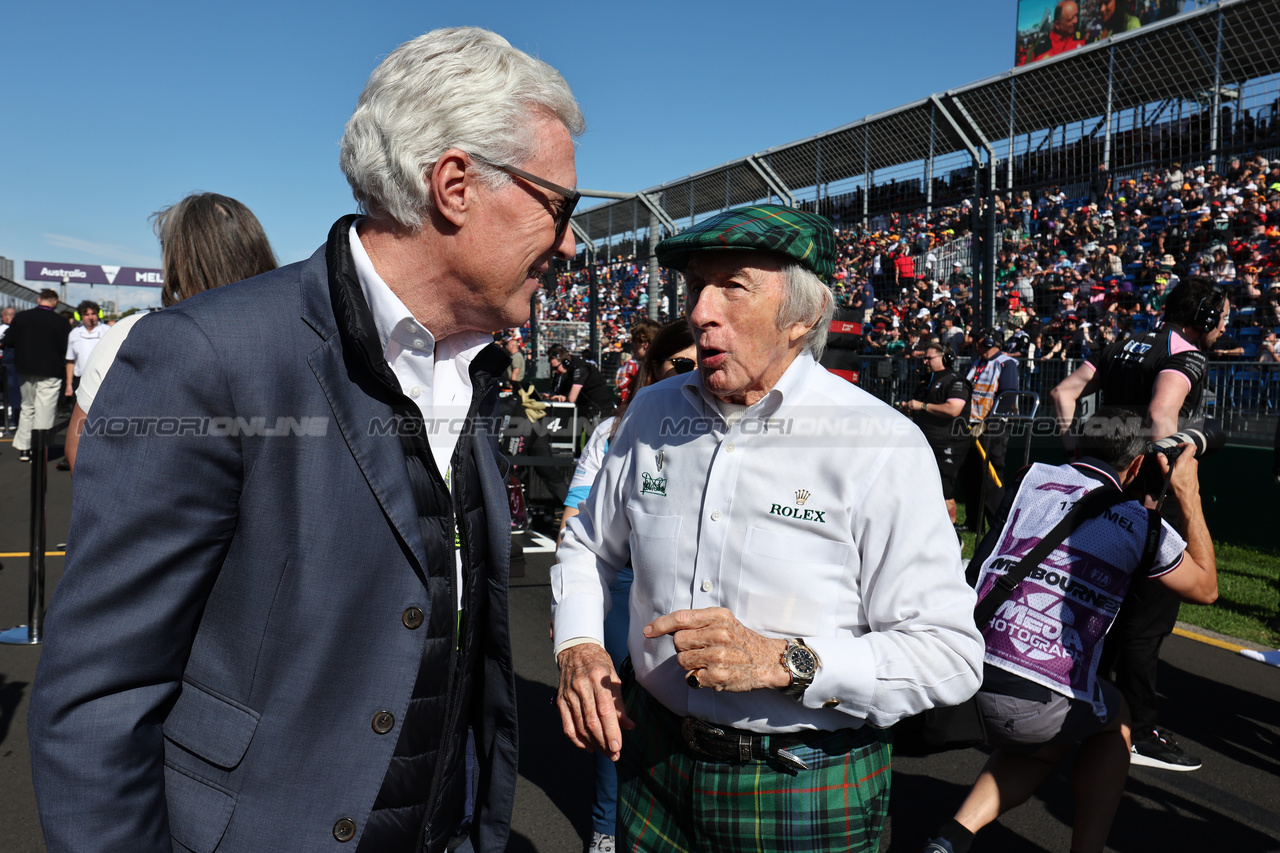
1052	27
93	274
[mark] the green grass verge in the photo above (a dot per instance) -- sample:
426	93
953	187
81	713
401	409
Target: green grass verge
1248	593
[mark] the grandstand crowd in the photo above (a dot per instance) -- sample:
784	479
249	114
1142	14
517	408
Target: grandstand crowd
1071	272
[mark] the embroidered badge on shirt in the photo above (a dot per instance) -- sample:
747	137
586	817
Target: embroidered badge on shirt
653	485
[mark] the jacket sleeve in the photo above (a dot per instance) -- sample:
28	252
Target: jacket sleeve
154	510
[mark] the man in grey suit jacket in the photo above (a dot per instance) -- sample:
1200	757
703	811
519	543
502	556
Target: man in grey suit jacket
284	611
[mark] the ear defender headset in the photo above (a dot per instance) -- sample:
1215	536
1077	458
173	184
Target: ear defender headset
948	357
991	338
1209	311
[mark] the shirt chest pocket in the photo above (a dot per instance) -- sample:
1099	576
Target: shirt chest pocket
654	549
792	585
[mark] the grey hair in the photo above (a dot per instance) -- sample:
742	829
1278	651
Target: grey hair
459	87
806	299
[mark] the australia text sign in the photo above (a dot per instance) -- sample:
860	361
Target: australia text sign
93	274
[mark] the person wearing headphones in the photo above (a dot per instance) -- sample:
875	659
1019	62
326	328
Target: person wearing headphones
1161	376
993	373
940	407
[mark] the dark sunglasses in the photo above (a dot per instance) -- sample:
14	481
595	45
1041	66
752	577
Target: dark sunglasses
565	211
683	365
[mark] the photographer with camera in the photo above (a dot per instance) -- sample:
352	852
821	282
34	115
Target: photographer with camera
1038	699
1159	375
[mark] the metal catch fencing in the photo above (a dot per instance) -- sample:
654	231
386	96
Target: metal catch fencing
1243	396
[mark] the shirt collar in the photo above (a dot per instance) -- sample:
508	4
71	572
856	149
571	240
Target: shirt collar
398	330
1097	469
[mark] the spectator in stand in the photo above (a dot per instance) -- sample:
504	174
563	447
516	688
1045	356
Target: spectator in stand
1267	353
515	374
38	337
206	240
951	336
904	269
642	332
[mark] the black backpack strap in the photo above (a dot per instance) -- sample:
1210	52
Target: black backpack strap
1087	507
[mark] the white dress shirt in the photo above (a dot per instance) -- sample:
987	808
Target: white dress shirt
818	514
81	342
435	375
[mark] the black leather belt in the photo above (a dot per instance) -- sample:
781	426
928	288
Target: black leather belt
725	744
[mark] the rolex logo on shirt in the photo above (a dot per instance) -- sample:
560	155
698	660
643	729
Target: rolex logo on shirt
802	497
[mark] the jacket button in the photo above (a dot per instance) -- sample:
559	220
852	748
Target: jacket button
412	618
383	722
344	829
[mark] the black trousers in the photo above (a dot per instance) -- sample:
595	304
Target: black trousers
996	443
1132	648
1149	612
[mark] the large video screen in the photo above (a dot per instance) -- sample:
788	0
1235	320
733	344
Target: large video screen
1052	27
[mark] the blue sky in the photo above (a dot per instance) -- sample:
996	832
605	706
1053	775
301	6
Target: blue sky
114	110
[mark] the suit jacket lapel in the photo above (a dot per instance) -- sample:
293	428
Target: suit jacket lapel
369	428
361	403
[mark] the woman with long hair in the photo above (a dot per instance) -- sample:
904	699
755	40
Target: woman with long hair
206	240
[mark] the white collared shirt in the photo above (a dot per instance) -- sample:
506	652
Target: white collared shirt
817	514
81	342
435	375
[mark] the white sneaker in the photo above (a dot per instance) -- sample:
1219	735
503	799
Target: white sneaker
600	843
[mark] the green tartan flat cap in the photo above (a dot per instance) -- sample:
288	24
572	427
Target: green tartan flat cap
804	237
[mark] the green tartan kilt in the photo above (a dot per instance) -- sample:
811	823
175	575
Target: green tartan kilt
671	800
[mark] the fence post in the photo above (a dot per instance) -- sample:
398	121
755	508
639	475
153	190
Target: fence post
655	286
593	310
1215	121
31	633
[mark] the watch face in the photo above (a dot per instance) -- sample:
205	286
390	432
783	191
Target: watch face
802	661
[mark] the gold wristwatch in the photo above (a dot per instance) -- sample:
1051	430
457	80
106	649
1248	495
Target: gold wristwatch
802	663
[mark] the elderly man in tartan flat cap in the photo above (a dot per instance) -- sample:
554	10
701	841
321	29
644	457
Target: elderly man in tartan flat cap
798	586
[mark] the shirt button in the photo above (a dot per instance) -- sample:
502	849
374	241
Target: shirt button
715	516
706	586
383	722
419	343
344	829
415	391
412	618
730	448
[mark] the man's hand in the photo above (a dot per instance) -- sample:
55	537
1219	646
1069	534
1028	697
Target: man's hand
1185	481
721	651
68	391
590	700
